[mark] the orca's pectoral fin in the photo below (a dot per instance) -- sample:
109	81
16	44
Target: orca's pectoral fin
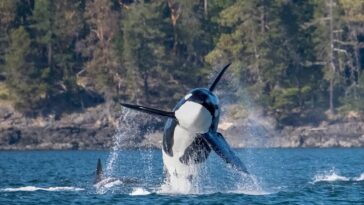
149	110
221	147
99	173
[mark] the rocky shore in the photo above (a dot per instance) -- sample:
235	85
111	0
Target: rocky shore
95	127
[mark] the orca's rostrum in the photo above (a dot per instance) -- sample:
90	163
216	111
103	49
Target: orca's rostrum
190	132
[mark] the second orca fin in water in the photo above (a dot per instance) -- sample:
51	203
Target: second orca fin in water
221	147
99	173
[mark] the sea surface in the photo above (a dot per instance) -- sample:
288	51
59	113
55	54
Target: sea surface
278	176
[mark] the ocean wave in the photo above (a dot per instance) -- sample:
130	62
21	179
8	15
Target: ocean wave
34	188
252	192
360	178
329	177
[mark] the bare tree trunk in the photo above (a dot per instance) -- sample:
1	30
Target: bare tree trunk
331	63
175	14
50	55
262	19
146	86
357	56
205	8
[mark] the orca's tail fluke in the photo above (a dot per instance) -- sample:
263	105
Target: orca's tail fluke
149	110
99	172
218	77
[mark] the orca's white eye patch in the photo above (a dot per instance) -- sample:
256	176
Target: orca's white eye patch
188	96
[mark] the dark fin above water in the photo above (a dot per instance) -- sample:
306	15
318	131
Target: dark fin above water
222	148
99	172
218	77
149	110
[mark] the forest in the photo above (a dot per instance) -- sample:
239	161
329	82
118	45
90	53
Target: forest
297	59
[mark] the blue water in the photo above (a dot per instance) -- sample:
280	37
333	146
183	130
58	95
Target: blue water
281	176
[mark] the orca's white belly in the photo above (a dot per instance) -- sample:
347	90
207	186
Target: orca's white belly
180	176
182	139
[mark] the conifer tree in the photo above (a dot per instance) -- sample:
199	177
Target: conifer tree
23	77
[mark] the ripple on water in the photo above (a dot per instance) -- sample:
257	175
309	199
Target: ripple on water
34	188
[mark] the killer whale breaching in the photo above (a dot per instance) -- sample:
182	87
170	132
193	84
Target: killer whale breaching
190	133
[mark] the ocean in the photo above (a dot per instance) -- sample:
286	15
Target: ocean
135	176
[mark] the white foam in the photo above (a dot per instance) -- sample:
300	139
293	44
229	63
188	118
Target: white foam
106	184
329	177
360	178
139	191
249	185
34	188
252	192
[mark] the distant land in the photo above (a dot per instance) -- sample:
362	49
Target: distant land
95	127
296	77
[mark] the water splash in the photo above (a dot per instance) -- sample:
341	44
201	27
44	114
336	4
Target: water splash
107	183
185	183
130	133
125	130
139	191
360	178
147	157
330	176
250	185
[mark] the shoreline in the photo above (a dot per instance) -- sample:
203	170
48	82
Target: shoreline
95	128
154	148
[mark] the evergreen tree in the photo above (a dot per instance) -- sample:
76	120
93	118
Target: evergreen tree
142	50
23	77
101	69
269	48
56	25
7	17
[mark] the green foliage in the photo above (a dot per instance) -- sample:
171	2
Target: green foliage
354	97
154	51
23	78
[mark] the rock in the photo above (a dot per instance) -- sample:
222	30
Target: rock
95	128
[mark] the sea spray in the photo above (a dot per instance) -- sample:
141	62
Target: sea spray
123	131
249	184
360	178
147	157
256	130
329	176
126	132
130	133
185	183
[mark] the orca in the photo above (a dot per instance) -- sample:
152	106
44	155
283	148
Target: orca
102	181
190	132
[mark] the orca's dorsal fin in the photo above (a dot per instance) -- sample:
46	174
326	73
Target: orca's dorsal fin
218	77
99	172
